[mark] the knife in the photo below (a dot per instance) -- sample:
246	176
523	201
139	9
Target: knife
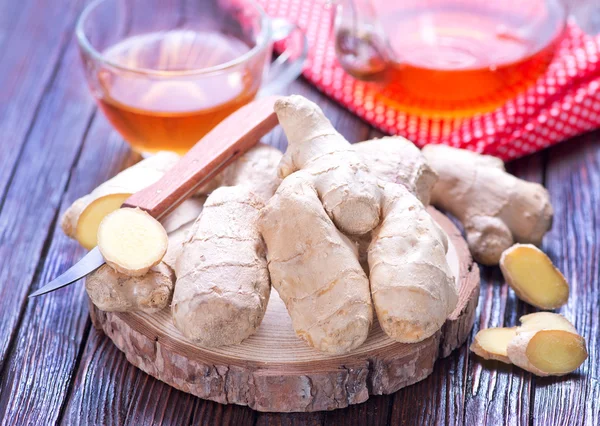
235	135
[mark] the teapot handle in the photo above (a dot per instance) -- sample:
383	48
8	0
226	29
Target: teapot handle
361	45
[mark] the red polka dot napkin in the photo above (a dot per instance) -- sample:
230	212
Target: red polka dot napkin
563	103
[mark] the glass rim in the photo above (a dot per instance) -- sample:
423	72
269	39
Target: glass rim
86	45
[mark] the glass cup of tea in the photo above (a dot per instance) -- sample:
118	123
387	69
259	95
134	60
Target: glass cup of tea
448	58
165	72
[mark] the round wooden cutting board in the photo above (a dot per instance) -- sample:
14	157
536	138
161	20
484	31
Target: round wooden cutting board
274	370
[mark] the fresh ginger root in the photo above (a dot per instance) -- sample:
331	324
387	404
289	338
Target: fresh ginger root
256	169
223	283
314	269
545	344
412	287
131	241
413	292
496	208
533	277
82	218
396	159
113	291
348	191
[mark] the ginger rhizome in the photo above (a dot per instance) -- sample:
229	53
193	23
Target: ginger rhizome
222	278
315	270
348	191
396	159
412	287
223	283
81	220
325	176
131	241
545	344
114	291
533	277
496	208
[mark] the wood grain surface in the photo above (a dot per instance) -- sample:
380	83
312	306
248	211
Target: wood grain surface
57	369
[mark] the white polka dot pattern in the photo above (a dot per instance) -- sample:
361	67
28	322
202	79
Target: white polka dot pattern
563	103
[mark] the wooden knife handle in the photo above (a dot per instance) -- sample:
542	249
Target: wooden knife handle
222	145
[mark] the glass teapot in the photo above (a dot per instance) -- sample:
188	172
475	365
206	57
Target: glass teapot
448	58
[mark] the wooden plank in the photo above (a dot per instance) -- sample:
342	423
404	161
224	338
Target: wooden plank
496	392
374	412
31	44
436	400
573	179
31	203
101	399
52	327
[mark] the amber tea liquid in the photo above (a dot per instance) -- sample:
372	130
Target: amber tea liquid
457	59
155	113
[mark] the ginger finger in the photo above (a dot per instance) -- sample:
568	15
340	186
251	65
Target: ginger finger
113	291
315	272
533	277
496	208
81	220
223	283
222	277
412	287
131	241
348	192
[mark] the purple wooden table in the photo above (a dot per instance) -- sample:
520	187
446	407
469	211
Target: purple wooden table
55	368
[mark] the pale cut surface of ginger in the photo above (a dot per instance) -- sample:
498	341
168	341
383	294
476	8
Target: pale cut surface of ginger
496	208
110	290
81	220
396	159
492	343
314	270
131	241
411	284
533	277
545	344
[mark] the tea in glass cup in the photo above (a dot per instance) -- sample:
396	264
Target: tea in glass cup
165	73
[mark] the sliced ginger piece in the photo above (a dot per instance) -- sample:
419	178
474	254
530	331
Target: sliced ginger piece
546	344
491	343
533	277
89	219
131	241
81	220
